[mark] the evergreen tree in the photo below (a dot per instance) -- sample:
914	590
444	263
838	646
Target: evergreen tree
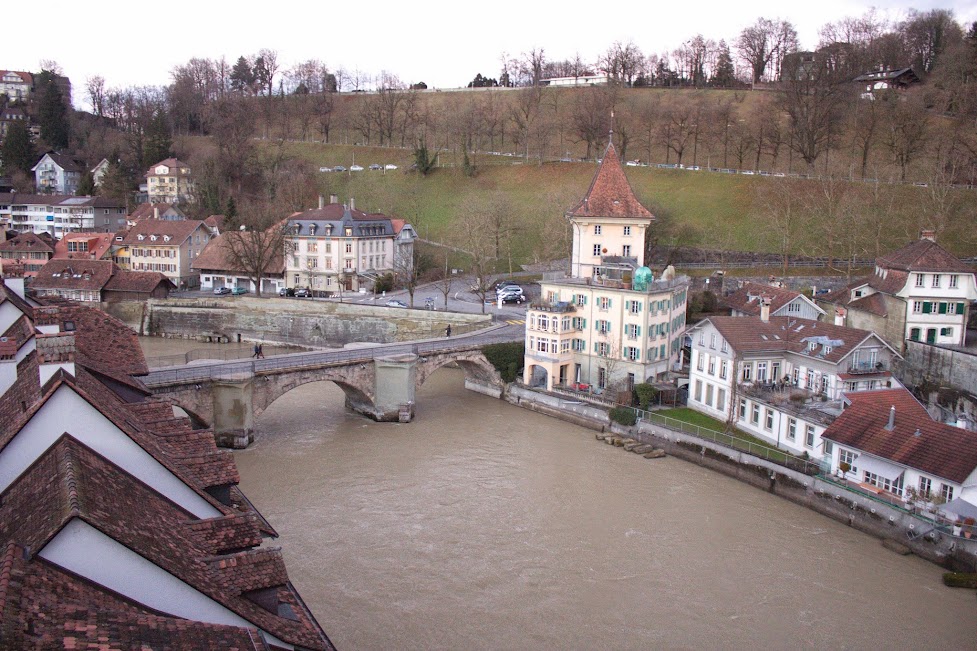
231	210
86	187
725	73
118	181
158	143
52	111
17	152
242	77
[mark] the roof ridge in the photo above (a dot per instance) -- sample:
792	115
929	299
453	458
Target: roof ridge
67	461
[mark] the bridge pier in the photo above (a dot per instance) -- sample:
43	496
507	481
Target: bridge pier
233	412
393	390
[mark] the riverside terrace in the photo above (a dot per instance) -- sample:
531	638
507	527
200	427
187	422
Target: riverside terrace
378	381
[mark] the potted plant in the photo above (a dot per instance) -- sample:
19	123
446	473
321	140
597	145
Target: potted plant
843	469
968	527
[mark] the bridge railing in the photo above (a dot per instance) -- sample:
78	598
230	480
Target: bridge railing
231	370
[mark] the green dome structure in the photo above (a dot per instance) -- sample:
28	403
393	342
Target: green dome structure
642	277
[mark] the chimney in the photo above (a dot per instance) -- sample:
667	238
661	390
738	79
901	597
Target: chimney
8	364
13	277
333	198
155	212
47	319
352	203
322	202
927	235
891	425
765	310
55	352
839	316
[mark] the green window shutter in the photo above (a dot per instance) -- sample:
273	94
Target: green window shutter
596	325
637	331
640	305
608	304
942	307
927	307
583	324
961	308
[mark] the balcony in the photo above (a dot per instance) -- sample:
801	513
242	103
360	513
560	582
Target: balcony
554	308
867	368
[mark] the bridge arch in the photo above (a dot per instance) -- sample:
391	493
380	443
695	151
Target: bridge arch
357	385
474	364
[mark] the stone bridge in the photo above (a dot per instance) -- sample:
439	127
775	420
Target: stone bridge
379	382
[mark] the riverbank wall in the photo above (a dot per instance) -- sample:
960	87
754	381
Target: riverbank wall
857	510
287	320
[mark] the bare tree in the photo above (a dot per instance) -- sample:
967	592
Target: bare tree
781	210
764	44
254	242
813	99
904	127
95	89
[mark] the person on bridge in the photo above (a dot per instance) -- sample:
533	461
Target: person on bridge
447	331
261	351
256	351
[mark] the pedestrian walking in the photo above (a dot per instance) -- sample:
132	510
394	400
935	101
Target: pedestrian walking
261	351
256	350
447	331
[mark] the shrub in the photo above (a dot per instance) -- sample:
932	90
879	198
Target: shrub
506	358
624	416
646	394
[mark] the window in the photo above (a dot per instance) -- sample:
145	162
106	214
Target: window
768	419
761	372
917	307
953	281
925	485
914	334
597	249
603	348
946	332
828	447
724	347
747	371
936	280
601	377
919	280
597	229
626	251
699	361
580	299
849	457
791	429
603	303
627	230
632	331
603	327
894	487
631	353
579	345
634	307
712	341
809	436
794	306
742	409
946	492
698	390
721	400
723	370
578	323
755	415
712	366
709	389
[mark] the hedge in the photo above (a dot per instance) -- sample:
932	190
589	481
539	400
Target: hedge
624	415
506	358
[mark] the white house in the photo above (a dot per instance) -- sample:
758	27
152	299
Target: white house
16	85
170	181
58	174
781	379
59	215
920	292
885	442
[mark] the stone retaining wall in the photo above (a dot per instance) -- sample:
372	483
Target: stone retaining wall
294	321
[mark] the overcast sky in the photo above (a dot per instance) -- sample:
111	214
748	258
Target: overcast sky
441	43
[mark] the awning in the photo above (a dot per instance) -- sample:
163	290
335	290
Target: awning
960	508
878	467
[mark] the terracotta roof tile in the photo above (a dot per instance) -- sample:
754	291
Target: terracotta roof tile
177	232
873	304
83	275
746	298
940	449
142	282
28	242
923	255
218	254
97	246
610	193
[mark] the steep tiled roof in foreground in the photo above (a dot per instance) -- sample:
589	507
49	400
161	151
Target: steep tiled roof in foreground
610	193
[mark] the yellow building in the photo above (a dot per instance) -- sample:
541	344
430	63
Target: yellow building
610	323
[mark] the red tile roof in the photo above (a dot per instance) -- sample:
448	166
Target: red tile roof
923	255
82	275
746	298
97	245
140	282
939	449
610	193
176	231
148	210
28	242
873	304
174	164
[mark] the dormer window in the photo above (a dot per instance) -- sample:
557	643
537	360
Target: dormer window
953	281
152	238
349	232
141	237
811	345
827	350
919	280
936	280
166	238
312	228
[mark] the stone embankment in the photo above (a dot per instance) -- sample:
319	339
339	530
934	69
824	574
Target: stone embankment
857	510
632	445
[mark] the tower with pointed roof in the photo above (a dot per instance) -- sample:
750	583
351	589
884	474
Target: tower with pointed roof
609	324
609	222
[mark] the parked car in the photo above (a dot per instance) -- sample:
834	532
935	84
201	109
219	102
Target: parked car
237	291
511	297
376	166
393	302
303	292
220	291
325	169
389	166
339	168
506	283
286	291
355	168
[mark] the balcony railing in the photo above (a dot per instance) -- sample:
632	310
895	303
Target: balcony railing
867	367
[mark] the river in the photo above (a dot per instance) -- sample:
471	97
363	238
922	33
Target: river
484	526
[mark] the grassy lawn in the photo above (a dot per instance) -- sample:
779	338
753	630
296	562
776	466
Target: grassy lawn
693	417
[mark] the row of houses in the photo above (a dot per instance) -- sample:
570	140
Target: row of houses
168	181
811	377
121	526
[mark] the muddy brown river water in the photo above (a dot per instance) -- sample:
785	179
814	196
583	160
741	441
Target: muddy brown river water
484	526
